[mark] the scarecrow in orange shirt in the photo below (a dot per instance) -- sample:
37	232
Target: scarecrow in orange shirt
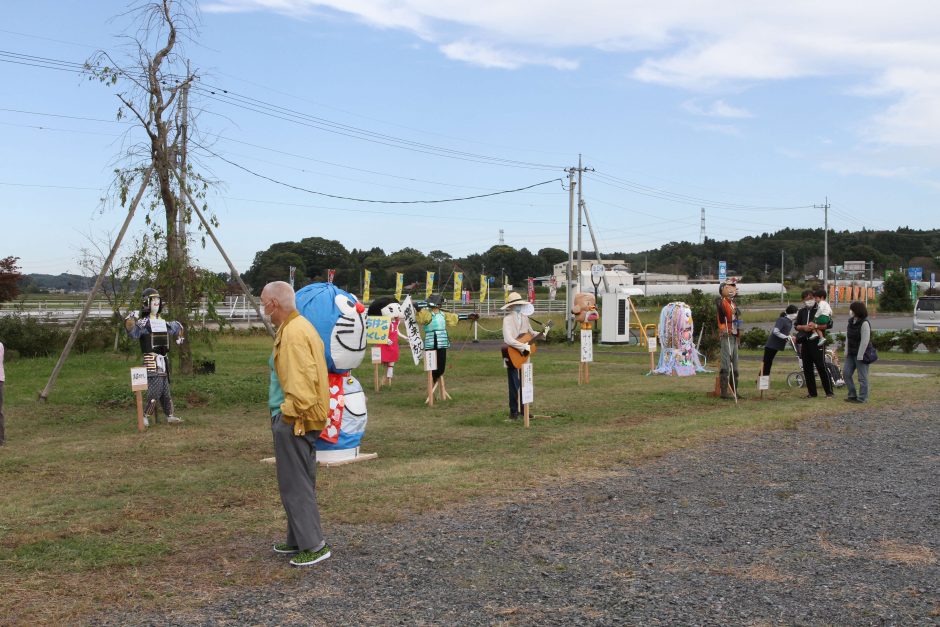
729	336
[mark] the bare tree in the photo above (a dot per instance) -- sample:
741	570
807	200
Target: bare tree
152	83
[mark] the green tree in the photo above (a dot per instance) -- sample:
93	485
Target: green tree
895	294
9	278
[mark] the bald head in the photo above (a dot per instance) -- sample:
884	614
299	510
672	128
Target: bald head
277	298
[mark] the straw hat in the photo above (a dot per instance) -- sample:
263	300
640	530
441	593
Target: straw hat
514	299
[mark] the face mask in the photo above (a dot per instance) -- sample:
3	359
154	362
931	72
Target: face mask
809	303
791	316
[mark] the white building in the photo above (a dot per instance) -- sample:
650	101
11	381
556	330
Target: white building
616	272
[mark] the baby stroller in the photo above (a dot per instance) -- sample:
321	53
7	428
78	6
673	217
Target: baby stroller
795	379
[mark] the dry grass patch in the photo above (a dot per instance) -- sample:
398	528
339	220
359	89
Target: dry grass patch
833	549
903	553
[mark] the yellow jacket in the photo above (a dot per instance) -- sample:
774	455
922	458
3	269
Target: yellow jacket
300	363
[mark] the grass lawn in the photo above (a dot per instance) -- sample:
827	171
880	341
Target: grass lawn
95	515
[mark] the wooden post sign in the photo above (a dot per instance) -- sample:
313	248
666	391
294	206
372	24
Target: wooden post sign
138	385
430	365
376	362
409	317
651	344
528	391
587	356
763	383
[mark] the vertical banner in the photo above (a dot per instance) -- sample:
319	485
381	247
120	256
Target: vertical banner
552	288
366	284
410	320
429	285
399	285
484	288
587	345
722	270
528	389
458	287
466	297
505	292
531	282
330	275
293	271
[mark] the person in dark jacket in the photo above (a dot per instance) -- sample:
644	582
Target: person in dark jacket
777	341
857	337
811	352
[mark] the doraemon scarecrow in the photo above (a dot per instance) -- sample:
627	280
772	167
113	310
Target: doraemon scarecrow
340	319
390	308
154	334
678	355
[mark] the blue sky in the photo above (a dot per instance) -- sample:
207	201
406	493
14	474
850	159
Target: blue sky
748	110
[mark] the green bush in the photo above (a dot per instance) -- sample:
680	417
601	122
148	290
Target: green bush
908	340
884	340
931	341
895	294
30	337
754	337
704	319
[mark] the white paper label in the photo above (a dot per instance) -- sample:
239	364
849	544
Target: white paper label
376	355
157	325
138	379
651	341
430	360
528	389
587	345
763	383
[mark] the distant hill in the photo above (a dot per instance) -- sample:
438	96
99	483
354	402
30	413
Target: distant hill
64	281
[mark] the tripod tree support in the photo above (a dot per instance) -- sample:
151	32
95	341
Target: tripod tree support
44	395
231	266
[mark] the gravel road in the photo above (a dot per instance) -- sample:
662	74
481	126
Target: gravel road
835	522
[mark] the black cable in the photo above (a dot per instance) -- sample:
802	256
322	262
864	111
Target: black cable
388	202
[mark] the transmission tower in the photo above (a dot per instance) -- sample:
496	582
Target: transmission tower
502	240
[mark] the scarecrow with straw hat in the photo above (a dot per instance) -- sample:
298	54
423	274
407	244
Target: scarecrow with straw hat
518	335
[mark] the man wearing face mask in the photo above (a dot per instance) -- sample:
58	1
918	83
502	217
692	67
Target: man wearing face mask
515	324
810	351
778	337
154	334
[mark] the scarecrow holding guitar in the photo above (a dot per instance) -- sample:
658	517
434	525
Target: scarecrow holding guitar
519	338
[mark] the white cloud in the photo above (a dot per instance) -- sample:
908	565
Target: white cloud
717	109
890	49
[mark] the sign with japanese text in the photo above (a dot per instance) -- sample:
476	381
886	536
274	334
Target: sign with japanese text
531	283
458	286
429	285
410	320
366	284
378	329
139	379
587	345
430	360
528	387
399	285
484	288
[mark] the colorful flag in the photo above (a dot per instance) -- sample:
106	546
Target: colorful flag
505	292
366	283
552	288
531	289
330	275
429	282
399	285
484	288
458	286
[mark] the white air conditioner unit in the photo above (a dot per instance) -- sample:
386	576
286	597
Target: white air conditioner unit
615	319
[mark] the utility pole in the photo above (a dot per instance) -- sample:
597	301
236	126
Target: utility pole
701	231
569	294
825	209
182	217
783	288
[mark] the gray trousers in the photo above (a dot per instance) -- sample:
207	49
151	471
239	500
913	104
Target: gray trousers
158	387
296	462
729	353
3	432
850	366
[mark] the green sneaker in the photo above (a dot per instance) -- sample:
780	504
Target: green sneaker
309	558
285	549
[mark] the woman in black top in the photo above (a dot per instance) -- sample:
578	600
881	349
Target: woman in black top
857	337
778	337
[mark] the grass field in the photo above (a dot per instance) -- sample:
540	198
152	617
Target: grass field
95	515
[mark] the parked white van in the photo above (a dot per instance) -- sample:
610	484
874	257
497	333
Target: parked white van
927	314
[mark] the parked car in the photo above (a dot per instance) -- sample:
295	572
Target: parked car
927	314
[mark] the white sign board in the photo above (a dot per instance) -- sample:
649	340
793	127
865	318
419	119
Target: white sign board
651	342
855	266
597	270
376	355
528	388
138	379
409	319
722	270
430	360
587	345
763	382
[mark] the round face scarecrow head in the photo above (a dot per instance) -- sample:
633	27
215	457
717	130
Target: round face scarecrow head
151	303
340	319
386	306
585	307
435	301
728	289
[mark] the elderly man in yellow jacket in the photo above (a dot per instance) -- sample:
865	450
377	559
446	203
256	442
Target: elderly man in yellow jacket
299	399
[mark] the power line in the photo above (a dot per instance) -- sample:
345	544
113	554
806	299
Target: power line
389	202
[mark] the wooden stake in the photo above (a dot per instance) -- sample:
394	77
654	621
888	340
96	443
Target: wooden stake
525	415
758	380
430	399
376	367
140	411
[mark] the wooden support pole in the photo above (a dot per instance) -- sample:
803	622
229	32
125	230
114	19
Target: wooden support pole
376	367
44	395
231	266
140	411
430	400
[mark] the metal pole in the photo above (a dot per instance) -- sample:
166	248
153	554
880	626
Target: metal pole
44	395
568	295
231	266
580	205
783	288
597	251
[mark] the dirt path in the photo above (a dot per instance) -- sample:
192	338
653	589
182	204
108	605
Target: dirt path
836	522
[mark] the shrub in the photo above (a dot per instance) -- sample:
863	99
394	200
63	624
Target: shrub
895	294
908	340
30	337
884	340
703	317
931	341
754	337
